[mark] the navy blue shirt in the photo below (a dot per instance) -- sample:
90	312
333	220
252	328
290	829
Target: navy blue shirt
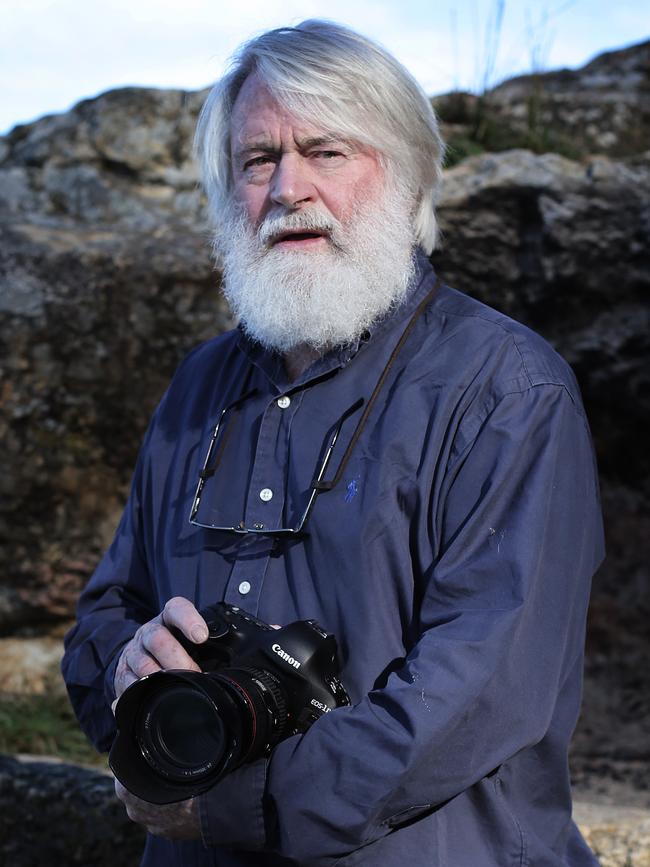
452	561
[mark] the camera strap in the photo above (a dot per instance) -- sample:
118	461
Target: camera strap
328	485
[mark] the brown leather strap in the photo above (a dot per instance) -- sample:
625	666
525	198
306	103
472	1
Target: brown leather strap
327	486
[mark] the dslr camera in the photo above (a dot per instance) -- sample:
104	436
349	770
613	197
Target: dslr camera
181	731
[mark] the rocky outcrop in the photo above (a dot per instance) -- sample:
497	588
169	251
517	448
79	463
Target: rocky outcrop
619	836
30	666
53	813
107	282
604	107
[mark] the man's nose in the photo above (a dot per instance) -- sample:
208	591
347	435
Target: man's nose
291	185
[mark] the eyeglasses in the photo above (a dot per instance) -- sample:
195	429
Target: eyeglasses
318	485
213	460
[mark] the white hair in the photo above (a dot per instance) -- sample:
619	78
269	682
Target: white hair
331	76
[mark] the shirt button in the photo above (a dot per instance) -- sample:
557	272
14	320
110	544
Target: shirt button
266	494
244	588
284	401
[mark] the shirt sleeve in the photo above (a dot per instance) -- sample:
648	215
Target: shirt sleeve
501	626
115	602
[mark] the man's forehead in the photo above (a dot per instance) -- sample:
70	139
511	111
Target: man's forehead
257	117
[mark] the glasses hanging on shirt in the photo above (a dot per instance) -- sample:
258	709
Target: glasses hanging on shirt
213	460
319	485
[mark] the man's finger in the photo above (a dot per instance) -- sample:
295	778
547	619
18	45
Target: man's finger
180	612
139	662
124	680
124	675
157	642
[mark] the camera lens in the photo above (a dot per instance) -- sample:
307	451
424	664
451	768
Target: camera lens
194	726
184	728
189	727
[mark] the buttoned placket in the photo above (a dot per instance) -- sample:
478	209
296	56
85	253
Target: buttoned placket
264	502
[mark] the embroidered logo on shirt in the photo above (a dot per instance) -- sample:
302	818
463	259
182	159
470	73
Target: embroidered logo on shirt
351	491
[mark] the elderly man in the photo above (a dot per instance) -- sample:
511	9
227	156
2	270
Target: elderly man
452	550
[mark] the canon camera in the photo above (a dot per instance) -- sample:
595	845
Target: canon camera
181	731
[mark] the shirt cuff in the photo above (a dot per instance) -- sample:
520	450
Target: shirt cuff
109	674
232	812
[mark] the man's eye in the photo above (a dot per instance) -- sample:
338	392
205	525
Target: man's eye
254	162
328	155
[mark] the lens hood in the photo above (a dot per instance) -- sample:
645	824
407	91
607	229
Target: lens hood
178	733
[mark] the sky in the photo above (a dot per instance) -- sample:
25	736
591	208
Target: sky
55	52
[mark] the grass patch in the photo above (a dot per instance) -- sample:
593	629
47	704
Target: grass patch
459	147
44	725
477	125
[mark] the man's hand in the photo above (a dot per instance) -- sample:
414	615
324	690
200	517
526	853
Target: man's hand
153	647
175	821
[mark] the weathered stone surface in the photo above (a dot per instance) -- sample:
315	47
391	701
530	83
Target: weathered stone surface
604	107
95	320
122	157
106	283
53	813
30	666
619	836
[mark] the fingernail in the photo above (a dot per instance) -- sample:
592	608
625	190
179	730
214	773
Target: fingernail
199	634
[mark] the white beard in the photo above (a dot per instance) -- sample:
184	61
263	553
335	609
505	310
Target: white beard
318	298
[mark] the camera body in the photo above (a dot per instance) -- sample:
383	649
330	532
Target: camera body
301	654
181	731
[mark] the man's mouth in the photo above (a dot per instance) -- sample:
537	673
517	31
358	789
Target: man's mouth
298	238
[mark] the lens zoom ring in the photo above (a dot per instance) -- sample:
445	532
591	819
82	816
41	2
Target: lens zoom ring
270	684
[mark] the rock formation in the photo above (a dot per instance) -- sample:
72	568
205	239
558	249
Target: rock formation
604	107
53	813
107	282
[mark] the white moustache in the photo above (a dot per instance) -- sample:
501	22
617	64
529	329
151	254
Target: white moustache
300	221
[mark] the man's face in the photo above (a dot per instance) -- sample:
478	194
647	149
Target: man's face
316	242
283	165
